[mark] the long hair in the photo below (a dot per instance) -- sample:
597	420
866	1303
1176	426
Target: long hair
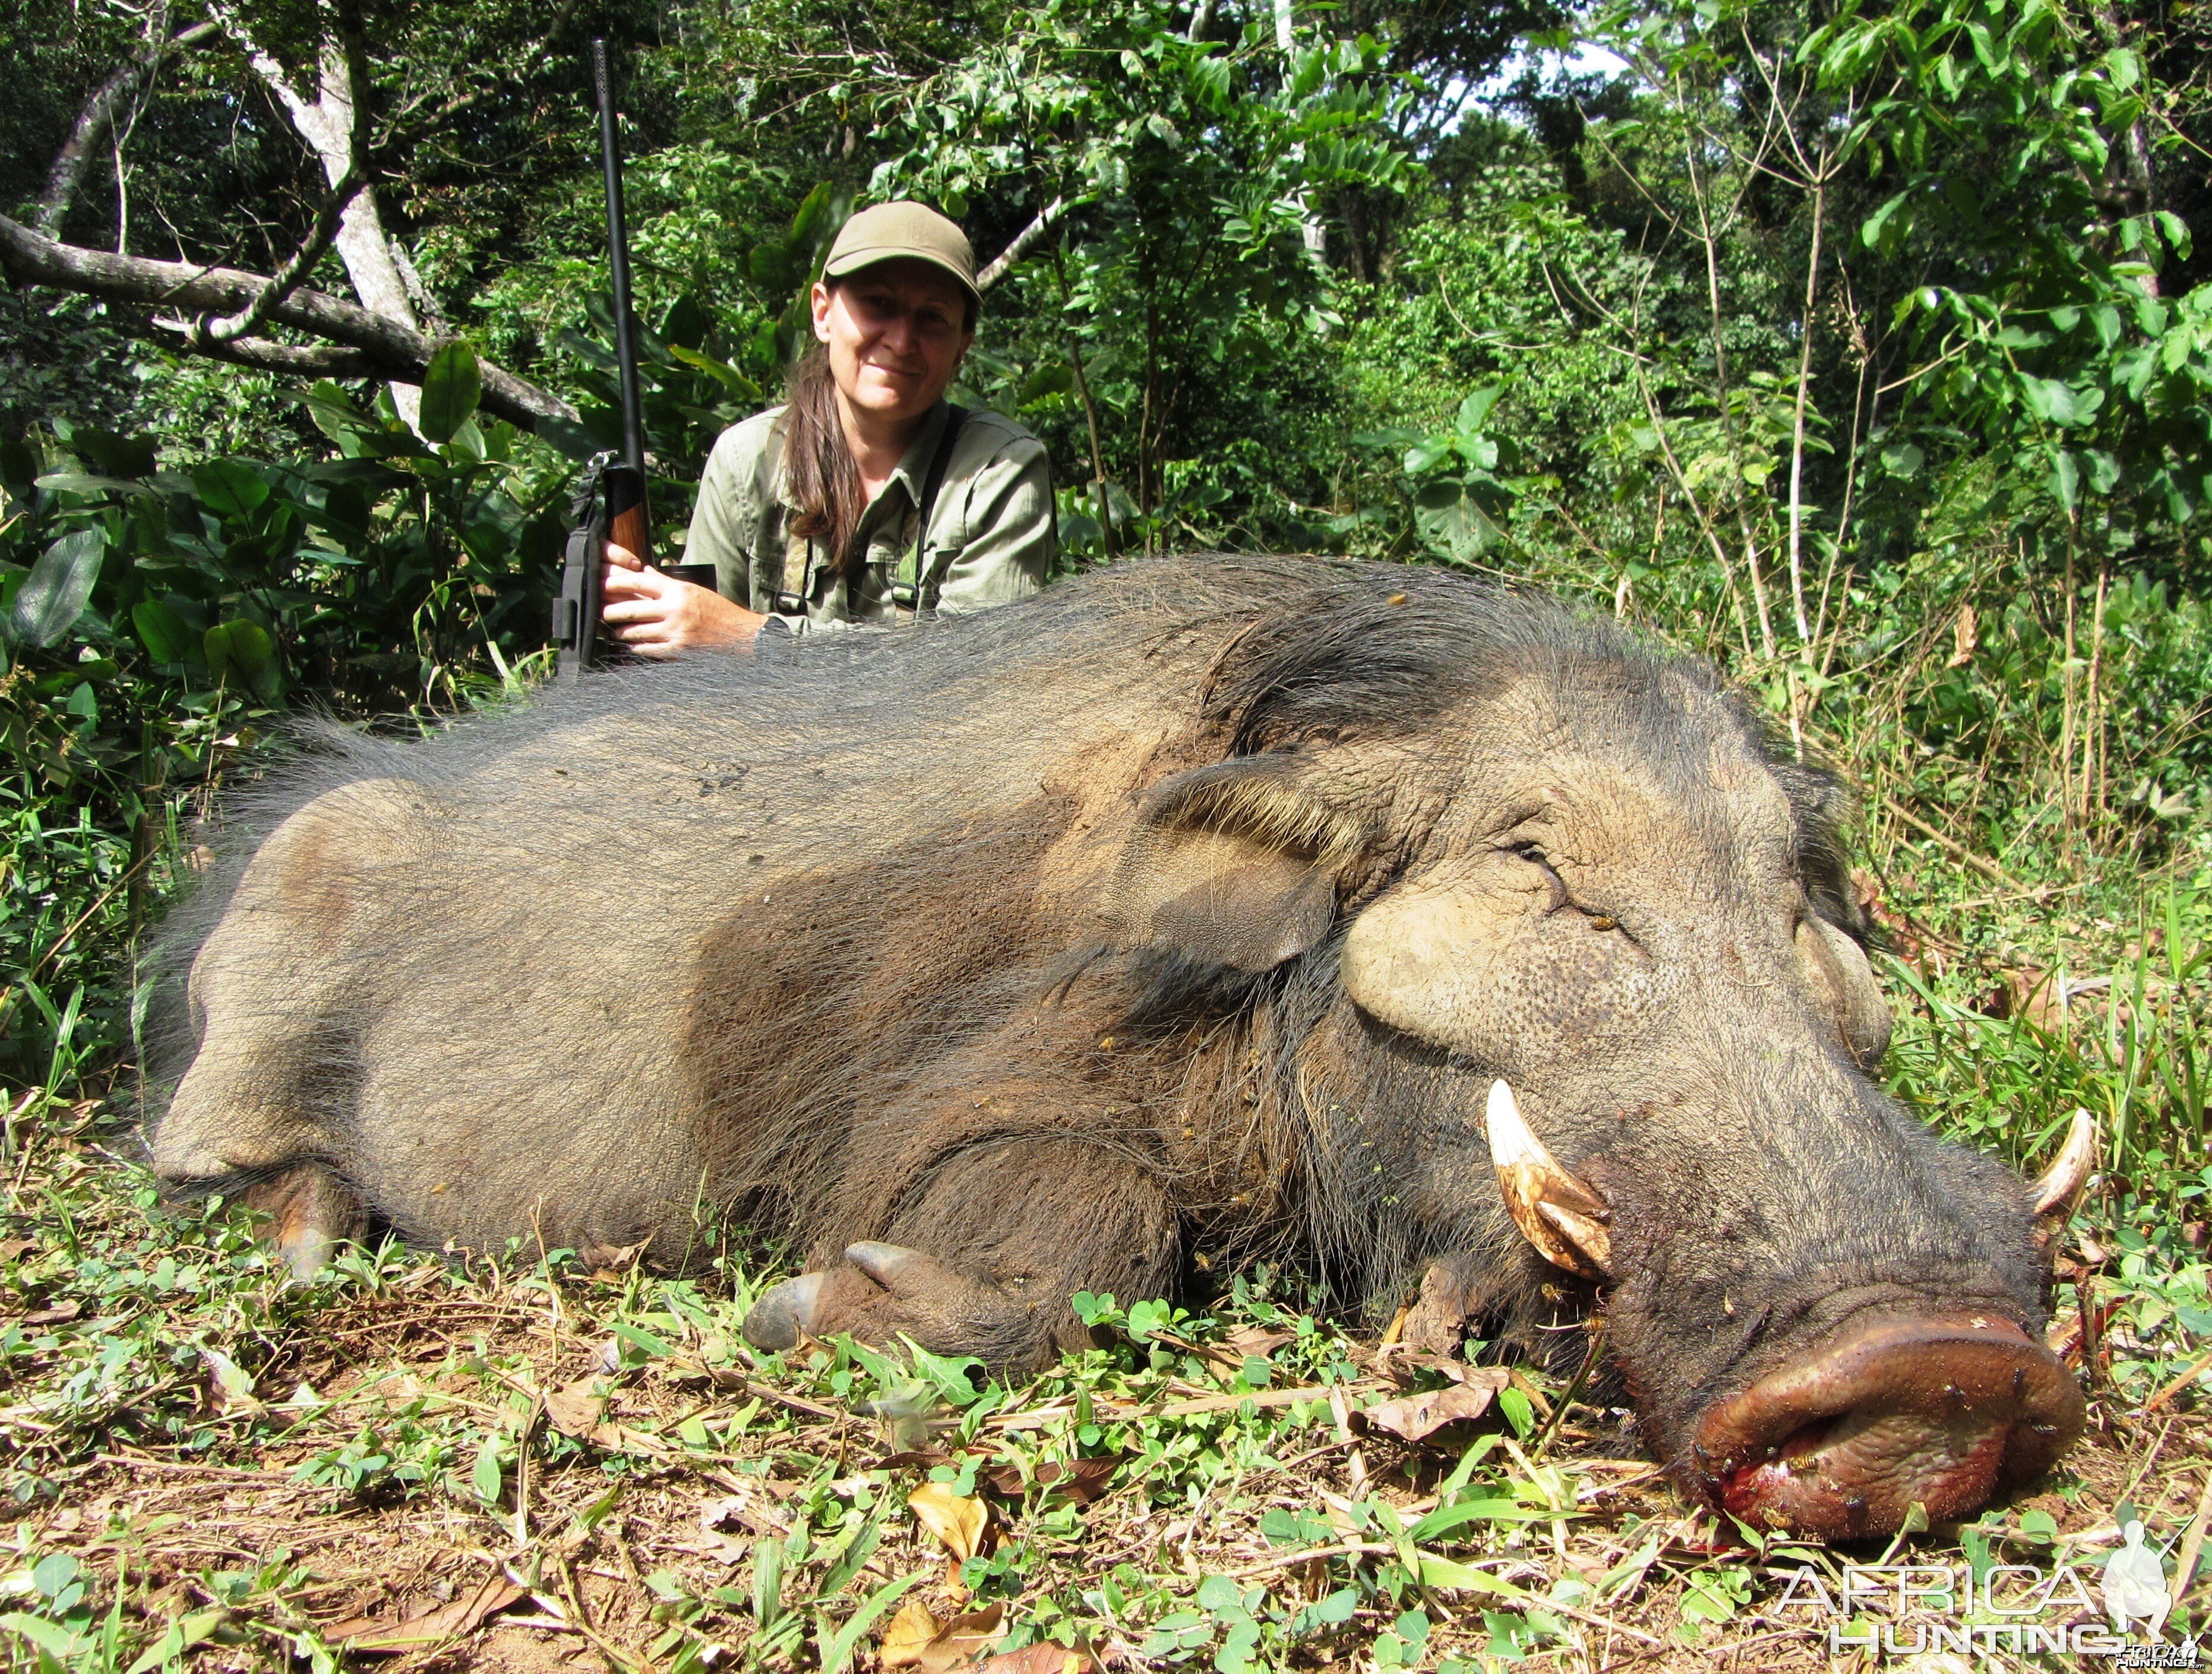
818	467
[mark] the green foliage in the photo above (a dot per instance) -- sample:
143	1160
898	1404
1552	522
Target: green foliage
1175	313
156	622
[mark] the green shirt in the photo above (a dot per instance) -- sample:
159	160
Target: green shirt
990	536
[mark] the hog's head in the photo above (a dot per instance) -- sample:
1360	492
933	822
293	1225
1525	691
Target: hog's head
1572	990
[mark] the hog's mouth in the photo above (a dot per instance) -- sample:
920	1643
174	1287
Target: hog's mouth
1945	1411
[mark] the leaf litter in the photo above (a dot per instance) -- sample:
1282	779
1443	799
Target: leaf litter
480	1466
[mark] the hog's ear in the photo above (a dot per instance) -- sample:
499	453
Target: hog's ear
1233	865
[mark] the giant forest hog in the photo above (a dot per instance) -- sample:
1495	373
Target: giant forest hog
1206	905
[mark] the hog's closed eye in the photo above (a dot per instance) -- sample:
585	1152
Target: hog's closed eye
1535	857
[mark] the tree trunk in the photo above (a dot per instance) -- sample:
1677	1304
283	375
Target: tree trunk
329	125
373	344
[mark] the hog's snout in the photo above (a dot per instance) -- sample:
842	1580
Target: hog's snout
1840	1442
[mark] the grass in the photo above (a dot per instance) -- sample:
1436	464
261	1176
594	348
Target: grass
518	1463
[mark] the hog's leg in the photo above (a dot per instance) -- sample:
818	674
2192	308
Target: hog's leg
981	1257
276	994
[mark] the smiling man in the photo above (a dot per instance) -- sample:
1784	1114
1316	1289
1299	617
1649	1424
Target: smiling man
866	498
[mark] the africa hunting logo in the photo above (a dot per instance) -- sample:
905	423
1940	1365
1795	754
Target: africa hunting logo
2026	1609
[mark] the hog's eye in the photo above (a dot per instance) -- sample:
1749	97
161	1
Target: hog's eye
1536	857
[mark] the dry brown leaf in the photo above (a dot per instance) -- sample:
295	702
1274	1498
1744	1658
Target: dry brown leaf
910	1634
1439	1320
447	1621
60	1314
917	1639
609	1262
1964	639
577	1410
1403	1366
1041	1659
742	1508
1255	1340
959	1523
920	1458
1081	1481
1414	1416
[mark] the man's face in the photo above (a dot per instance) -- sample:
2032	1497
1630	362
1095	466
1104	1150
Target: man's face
896	334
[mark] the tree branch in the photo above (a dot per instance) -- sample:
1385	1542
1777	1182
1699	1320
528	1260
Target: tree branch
390	349
66	172
318	360
250	319
996	270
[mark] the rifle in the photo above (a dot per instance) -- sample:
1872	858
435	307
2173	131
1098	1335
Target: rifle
611	502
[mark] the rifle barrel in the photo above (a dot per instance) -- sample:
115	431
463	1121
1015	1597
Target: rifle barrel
618	255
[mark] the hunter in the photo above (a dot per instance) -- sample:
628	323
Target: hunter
867	498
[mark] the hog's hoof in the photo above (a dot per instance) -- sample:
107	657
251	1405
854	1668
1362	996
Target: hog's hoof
780	1319
313	1213
883	1292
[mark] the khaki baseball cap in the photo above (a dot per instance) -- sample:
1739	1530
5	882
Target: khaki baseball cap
890	231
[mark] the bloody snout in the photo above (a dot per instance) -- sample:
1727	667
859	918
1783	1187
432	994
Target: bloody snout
1840	1443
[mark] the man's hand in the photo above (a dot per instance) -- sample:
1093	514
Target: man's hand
658	615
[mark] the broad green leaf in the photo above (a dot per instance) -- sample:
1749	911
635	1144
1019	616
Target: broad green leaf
55	1641
229	487
161	631
80	482
1052	378
638	1338
240	653
54	595
949	1376
1422	456
115	456
1873	228
1210	82
1454	522
334	412
53	1573
722	371
813	216
453	384
230	1378
489	1478
2048	398
2065	479
183	1634
1476	408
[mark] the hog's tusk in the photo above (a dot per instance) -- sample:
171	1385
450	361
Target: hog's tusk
1556	1212
2060	1187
